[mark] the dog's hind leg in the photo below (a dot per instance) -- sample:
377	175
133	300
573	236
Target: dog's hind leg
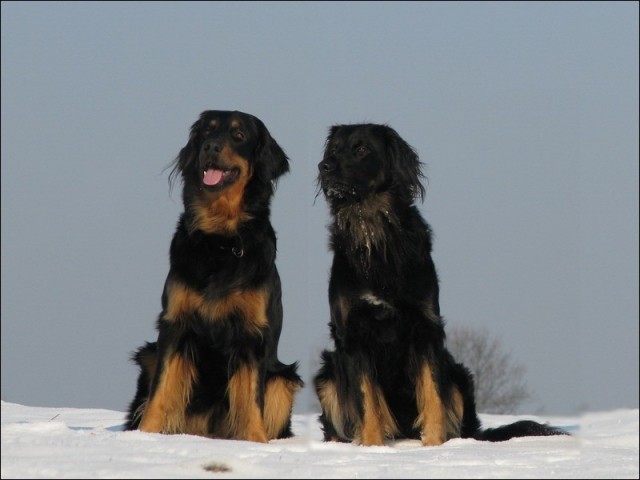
278	405
165	410
333	416
145	357
339	412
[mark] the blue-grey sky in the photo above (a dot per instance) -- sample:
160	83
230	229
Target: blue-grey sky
525	115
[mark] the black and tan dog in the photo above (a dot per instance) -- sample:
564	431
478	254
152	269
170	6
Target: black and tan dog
214	369
390	375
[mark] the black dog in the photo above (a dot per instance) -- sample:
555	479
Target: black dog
214	370
390	375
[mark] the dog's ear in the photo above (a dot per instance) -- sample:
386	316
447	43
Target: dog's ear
405	165
187	154
332	131
271	161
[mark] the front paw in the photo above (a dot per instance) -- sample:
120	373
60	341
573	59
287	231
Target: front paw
257	436
432	439
371	436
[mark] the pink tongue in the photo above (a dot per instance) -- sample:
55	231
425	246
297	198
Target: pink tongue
212	177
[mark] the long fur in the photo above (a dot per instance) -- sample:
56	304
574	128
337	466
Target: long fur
390	374
214	369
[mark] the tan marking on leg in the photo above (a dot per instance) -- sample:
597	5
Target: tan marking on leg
431	414
376	416
454	414
165	411
336	413
245	419
197	424
389	425
278	401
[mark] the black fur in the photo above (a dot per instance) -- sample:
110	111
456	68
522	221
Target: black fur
383	294
221	303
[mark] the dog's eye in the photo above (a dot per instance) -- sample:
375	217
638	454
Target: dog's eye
362	150
209	129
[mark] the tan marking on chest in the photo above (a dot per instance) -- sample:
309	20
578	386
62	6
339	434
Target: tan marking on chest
250	305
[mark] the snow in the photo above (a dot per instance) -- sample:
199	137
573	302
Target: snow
45	442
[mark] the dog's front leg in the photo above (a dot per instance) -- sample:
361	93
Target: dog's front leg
245	416
431	412
371	430
376	420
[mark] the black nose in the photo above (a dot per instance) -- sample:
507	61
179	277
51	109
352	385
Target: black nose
211	147
325	166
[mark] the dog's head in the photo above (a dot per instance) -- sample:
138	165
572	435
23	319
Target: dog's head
229	162
363	160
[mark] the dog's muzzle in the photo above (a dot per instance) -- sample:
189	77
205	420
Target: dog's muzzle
332	188
337	190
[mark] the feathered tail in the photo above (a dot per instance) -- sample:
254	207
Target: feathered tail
523	428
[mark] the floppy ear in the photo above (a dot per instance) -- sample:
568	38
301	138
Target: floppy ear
405	165
271	161
187	154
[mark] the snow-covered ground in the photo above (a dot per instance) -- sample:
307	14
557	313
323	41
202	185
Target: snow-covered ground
40	442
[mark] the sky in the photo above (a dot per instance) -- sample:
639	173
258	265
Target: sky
45	442
524	114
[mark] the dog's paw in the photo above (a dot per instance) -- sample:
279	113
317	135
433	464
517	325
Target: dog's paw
432	439
257	435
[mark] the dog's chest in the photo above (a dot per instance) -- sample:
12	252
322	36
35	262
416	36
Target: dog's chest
365	227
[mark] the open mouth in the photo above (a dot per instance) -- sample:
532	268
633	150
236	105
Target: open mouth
215	177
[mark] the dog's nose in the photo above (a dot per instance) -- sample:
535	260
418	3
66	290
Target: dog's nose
325	166
211	147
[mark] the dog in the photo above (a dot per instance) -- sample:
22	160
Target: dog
214	369
390	375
